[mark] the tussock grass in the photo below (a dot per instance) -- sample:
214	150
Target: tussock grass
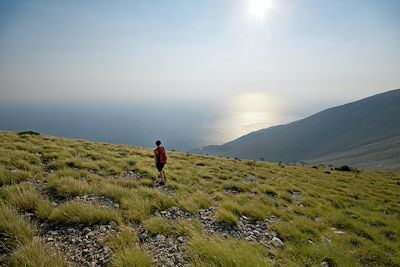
225	252
141	203
232	206
365	206
67	187
127	237
269	190
193	202
255	209
126	250
12	177
34	254
26	198
80	213
157	225
14	229
136	208
131	257
112	191
236	186
226	216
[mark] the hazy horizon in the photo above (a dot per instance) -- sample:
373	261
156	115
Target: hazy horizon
191	73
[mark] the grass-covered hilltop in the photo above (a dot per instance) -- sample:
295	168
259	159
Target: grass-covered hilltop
79	203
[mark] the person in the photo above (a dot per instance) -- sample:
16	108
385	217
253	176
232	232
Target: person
160	156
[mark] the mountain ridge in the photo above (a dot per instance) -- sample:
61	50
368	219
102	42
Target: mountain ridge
330	131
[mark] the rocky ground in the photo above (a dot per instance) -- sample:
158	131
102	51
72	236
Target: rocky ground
86	246
79	245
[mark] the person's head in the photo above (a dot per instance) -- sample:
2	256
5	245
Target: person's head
158	142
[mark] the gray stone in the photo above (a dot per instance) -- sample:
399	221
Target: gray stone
277	242
86	230
53	232
160	238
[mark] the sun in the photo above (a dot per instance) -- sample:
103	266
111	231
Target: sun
258	8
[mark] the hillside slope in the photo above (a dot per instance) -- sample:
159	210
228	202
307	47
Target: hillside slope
335	130
78	203
382	155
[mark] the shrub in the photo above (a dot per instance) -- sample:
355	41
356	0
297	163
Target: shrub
343	168
28	133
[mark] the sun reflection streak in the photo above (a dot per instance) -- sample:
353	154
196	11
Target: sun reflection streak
248	112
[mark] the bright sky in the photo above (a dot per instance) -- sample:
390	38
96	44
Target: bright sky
254	58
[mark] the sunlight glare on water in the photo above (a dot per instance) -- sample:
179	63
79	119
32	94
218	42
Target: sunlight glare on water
248	112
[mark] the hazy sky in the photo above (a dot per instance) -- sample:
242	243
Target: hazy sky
260	62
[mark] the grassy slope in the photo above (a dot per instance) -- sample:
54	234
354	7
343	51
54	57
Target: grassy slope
365	208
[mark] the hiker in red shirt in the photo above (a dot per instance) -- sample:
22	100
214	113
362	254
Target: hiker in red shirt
160	157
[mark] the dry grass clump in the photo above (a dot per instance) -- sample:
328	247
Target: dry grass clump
26	198
14	229
127	251
157	225
132	257
12	177
141	203
87	214
34	254
193	202
67	187
343	218
127	237
226	252
226	216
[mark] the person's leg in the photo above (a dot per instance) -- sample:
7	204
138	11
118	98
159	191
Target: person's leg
163	176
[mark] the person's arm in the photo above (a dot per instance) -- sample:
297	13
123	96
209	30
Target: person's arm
155	155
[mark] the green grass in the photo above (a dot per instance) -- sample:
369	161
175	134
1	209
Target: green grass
126	250
166	227
365	207
34	254
80	213
226	216
226	252
68	187
193	202
14	229
126	238
131	257
12	176
26	198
